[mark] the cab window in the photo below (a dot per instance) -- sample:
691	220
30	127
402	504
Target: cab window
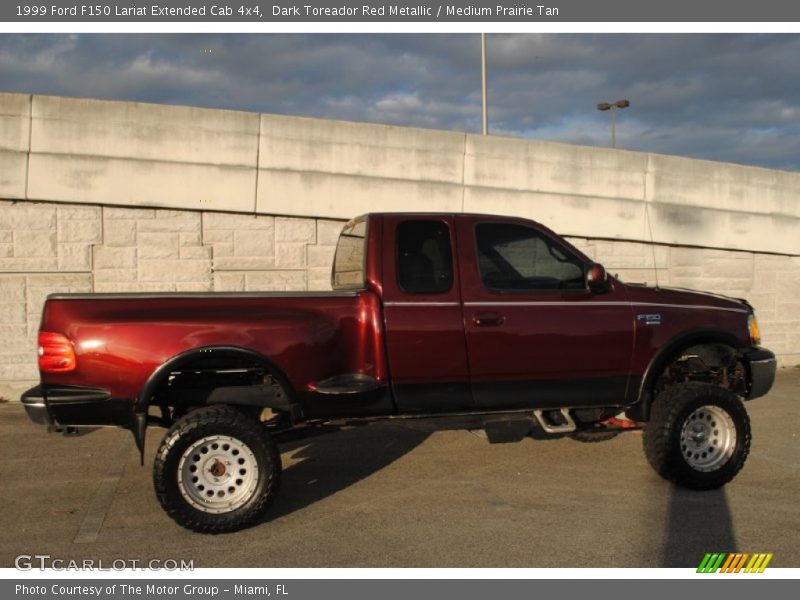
424	257
517	258
348	262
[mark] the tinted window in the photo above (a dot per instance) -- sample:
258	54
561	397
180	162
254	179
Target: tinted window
514	257
424	257
348	263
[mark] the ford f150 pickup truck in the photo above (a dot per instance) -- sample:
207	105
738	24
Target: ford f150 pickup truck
467	321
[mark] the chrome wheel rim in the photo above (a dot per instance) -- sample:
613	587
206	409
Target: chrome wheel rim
217	474
708	438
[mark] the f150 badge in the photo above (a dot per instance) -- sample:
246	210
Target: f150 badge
650	319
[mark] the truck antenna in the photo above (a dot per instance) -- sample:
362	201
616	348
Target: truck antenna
652	239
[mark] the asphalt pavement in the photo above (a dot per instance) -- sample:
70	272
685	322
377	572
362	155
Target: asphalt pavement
388	495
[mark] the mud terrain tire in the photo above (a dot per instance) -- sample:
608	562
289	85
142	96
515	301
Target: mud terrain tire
698	435
217	470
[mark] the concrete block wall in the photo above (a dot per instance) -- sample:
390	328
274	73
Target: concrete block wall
117	196
58	149
47	248
770	283
50	248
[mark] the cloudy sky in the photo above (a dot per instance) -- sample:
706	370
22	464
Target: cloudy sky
725	97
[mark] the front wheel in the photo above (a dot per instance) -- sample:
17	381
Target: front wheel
698	435
216	470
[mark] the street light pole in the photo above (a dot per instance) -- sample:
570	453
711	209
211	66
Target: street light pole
483	85
613	106
613	127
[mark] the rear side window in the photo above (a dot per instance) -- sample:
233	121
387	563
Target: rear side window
424	257
348	262
518	258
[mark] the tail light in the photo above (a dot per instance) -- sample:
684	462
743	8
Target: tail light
56	353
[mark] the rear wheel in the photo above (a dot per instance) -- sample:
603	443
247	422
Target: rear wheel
216	470
698	435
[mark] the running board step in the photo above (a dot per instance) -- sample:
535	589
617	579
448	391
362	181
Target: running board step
508	431
348	384
542	416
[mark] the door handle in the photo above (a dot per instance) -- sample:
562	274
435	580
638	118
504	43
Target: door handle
488	319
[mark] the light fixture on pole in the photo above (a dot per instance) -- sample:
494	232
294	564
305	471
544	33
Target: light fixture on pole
613	106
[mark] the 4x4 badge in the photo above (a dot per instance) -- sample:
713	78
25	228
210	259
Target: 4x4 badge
650	319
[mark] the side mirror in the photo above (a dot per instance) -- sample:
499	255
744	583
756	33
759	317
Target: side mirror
597	279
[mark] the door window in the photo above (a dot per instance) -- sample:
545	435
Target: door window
424	257
518	258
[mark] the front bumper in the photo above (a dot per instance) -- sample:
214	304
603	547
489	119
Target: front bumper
761	365
76	406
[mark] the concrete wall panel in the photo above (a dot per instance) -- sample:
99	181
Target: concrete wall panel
137	131
343	196
707	227
15	113
102	180
338	147
727	187
567	215
547	167
13	167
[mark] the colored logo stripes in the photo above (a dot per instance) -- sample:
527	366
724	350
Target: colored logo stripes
739	562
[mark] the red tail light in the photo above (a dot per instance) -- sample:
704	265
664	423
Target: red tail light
56	353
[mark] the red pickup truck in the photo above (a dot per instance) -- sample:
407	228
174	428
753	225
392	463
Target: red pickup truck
467	321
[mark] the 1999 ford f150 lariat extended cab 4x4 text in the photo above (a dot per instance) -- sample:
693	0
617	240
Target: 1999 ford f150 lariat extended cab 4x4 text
465	320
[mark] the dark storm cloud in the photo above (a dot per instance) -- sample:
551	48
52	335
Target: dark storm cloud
722	97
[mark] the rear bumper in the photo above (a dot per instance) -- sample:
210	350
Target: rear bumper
35	406
761	365
74	405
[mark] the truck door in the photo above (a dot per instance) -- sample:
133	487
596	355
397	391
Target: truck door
422	313
536	336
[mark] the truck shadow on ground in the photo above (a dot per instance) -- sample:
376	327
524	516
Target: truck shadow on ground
696	522
323	465
319	466
74	431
